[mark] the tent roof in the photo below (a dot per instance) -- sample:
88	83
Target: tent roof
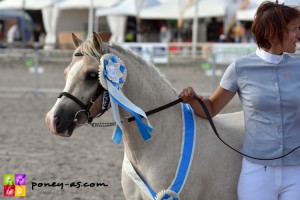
8	14
80	4
28	4
248	13
168	9
206	8
126	7
292	2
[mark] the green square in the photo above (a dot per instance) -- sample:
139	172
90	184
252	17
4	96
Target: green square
9	179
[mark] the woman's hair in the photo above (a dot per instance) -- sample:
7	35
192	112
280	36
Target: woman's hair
270	22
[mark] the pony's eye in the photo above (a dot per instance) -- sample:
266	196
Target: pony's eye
91	76
78	54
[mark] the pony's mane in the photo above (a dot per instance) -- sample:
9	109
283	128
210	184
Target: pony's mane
88	48
141	62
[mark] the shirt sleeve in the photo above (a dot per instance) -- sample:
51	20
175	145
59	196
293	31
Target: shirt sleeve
229	79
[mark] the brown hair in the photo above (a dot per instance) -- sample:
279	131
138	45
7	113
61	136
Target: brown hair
270	22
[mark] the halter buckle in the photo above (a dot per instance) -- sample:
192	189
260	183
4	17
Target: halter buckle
87	113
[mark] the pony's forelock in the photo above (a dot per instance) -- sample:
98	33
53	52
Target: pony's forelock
88	48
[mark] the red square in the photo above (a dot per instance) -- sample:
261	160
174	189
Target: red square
9	191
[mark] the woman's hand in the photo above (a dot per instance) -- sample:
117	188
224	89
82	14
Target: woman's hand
188	95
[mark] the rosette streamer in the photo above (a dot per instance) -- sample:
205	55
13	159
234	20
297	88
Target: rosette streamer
112	76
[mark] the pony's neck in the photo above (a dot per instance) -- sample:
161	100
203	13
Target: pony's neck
144	85
147	89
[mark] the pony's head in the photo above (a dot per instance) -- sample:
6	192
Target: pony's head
83	97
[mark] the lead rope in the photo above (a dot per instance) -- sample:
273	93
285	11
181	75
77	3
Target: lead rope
209	118
130	119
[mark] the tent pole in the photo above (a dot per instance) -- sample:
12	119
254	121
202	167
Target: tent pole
91	17
195	30
23	25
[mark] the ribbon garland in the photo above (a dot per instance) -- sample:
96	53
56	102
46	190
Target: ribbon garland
186	157
112	75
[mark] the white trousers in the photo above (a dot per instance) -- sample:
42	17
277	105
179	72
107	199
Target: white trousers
259	182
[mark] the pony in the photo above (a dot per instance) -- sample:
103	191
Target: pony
214	169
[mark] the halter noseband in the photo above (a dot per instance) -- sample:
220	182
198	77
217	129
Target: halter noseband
86	107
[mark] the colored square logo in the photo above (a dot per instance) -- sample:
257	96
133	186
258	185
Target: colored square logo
20	190
14	185
9	179
20	179
9	191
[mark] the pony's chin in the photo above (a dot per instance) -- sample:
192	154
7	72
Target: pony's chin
68	132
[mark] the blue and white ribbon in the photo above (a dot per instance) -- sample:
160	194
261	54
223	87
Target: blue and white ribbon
112	76
184	164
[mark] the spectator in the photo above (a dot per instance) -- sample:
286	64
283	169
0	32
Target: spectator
14	34
165	35
38	33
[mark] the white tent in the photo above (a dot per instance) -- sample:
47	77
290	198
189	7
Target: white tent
292	2
89	6
167	9
248	13
171	8
26	4
7	14
49	14
117	15
79	4
73	15
52	10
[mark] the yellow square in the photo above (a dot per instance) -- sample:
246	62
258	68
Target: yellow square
20	190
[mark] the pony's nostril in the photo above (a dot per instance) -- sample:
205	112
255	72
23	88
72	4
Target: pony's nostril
56	120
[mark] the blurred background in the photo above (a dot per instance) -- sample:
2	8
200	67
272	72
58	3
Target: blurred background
190	41
206	33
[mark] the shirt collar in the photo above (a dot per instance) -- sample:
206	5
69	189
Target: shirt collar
270	58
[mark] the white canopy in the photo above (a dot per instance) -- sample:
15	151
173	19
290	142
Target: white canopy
28	4
70	8
80	4
49	15
171	9
127	8
6	14
248	13
292	2
157	9
117	15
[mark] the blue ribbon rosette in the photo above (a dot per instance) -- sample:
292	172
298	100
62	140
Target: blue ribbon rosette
112	76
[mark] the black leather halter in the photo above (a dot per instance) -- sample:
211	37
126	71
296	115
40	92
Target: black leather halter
86	107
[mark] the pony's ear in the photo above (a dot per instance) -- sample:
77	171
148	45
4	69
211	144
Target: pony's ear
97	42
105	36
76	41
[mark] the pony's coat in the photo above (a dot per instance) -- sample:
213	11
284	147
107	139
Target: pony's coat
215	168
72	74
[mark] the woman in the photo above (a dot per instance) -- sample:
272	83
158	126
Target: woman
268	84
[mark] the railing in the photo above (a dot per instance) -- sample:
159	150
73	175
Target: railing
211	58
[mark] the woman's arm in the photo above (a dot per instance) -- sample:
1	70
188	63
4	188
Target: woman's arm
214	103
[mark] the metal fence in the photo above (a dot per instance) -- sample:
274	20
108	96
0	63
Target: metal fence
210	58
